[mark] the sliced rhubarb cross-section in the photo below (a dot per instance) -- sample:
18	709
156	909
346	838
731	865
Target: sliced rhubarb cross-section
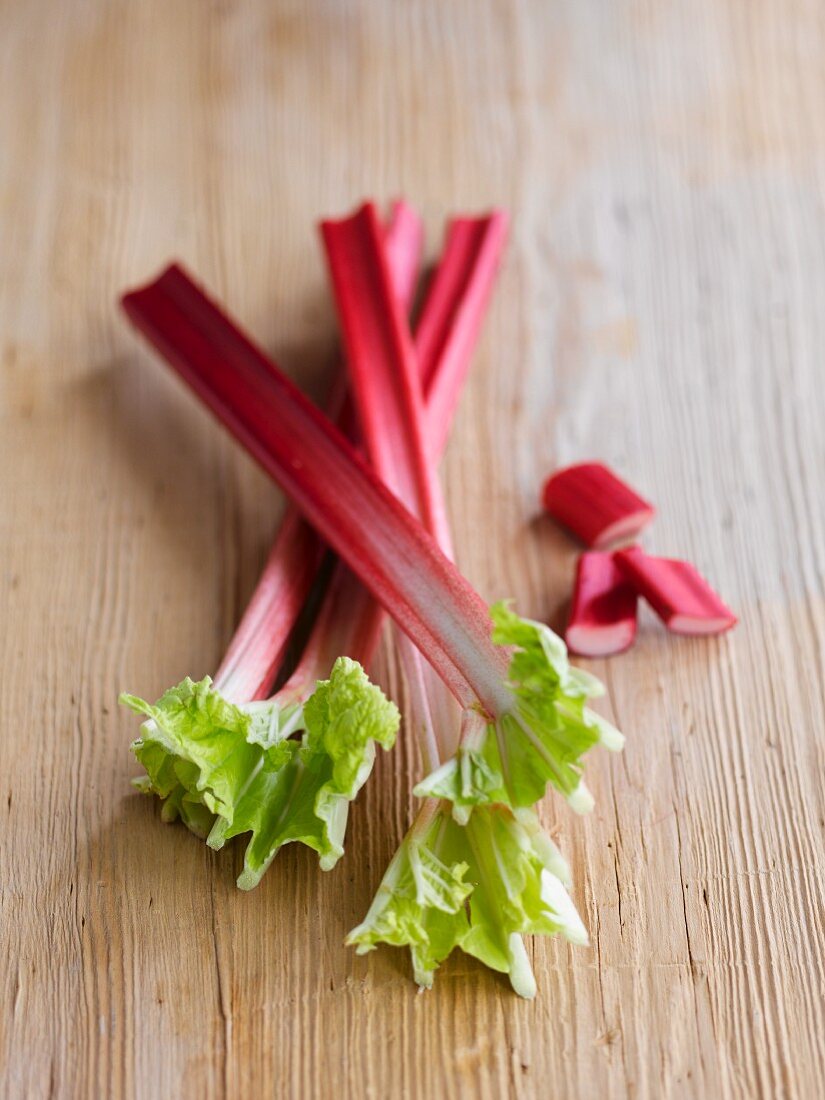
676	591
598	507
603	613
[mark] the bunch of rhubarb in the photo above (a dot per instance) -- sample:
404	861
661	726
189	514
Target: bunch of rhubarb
499	712
285	768
601	510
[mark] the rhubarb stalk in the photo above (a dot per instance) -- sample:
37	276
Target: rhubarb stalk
511	885
258	645
456	302
225	764
192	784
386	386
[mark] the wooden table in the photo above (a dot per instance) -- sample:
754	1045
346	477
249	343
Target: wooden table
662	306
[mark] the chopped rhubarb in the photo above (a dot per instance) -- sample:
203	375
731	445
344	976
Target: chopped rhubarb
603	614
600	509
677	592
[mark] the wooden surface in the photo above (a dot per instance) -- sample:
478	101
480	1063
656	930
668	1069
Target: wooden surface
662	307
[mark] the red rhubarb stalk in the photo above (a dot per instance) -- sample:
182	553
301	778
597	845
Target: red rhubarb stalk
375	335
456	303
597	506
677	592
386	547
386	386
258	645
603	613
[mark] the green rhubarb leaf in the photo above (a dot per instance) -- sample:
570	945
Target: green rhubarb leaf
466	780
201	738
179	804
541	739
225	770
420	903
479	887
307	799
517	893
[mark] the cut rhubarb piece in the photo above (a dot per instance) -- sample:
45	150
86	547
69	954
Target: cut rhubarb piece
677	592
603	613
599	508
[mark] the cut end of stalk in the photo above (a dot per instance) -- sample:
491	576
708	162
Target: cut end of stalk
600	641
580	800
521	975
626	529
689	624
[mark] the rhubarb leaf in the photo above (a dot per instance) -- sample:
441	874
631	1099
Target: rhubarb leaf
210	745
307	799
226	769
517	893
479	887
420	903
466	780
540	740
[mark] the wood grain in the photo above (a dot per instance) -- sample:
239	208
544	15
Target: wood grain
661	307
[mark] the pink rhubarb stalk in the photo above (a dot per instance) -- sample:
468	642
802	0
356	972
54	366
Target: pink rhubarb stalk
258	645
603	612
456	303
677	592
451	318
387	389
374	335
597	506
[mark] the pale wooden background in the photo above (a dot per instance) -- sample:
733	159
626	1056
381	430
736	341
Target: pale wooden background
662	306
